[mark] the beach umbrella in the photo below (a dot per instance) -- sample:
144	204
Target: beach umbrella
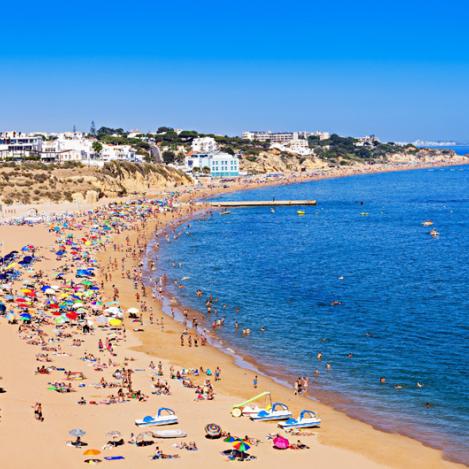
115	322
101	319
25	317
77	432
114	434
132	310
213	430
91	452
113	310
241	446
281	443
229	439
72	315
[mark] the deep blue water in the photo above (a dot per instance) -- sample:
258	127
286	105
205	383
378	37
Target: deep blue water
405	305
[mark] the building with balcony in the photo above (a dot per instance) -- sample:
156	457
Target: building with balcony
217	164
19	145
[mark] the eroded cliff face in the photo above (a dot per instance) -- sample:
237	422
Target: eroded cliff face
35	184
274	161
123	179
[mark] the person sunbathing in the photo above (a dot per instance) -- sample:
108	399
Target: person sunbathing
114	443
298	445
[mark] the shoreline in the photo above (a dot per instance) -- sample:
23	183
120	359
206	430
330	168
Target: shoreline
333	399
340	442
248	362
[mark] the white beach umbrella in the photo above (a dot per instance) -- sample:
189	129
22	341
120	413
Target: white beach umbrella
113	310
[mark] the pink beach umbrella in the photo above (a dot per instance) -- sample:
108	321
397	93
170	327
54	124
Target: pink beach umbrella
281	443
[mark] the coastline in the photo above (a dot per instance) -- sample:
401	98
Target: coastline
244	360
283	378
341	442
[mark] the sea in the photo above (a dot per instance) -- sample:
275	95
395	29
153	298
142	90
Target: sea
357	278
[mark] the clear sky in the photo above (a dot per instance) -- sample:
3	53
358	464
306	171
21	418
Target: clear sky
395	68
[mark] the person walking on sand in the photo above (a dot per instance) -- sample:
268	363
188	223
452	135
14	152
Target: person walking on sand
254	382
38	412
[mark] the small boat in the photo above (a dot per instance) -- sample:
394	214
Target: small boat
164	416
433	233
364	214
248	408
300	213
272	210
169	434
427	223
307	419
225	212
278	411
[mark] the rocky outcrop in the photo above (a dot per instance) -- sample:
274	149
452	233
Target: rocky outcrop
120	178
35	184
274	161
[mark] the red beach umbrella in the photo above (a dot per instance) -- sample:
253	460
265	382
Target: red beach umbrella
72	315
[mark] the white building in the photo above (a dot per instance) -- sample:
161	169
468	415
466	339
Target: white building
204	145
119	152
80	149
298	147
19	145
273	137
220	164
367	141
282	137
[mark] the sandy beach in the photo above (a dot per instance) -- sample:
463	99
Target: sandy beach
113	240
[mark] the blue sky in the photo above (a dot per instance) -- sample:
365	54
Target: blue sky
399	69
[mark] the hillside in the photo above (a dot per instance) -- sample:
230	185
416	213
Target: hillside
276	161
33	182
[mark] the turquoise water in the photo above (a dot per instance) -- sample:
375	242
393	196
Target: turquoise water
404	312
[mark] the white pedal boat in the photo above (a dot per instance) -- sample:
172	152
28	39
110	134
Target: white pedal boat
169	433
164	416
307	419
278	411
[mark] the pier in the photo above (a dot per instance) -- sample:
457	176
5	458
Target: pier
262	203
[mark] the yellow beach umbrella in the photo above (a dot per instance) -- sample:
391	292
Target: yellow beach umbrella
115	322
91	452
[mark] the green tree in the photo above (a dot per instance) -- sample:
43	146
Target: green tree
163	130
97	147
169	156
